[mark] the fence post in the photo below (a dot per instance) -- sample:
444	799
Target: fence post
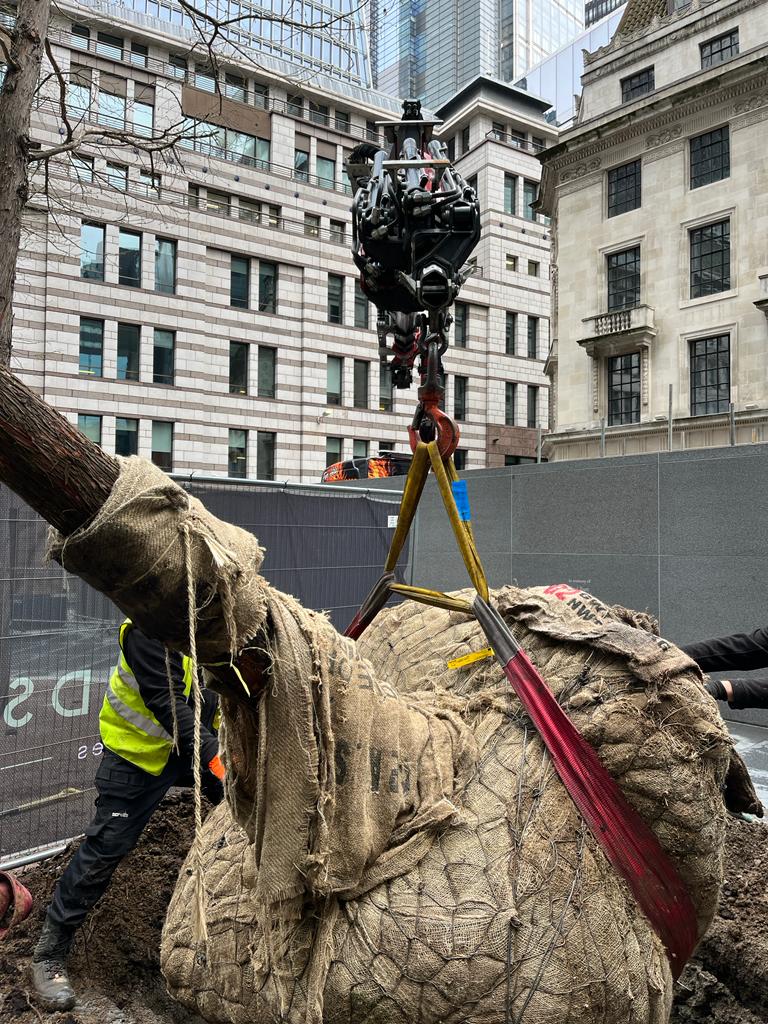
732	419
8	533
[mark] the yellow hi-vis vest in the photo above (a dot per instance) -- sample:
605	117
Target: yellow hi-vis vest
127	726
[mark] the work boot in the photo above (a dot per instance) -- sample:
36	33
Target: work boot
49	966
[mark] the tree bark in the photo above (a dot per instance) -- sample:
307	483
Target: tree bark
58	472
27	41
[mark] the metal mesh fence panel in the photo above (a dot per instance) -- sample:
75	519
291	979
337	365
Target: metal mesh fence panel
58	637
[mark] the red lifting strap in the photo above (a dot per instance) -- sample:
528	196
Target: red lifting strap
628	843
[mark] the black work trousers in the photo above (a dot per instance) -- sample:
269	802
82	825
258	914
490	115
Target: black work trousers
127	797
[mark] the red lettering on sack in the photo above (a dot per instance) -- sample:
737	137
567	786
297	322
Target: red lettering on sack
561	590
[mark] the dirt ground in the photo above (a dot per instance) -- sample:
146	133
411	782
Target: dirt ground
115	962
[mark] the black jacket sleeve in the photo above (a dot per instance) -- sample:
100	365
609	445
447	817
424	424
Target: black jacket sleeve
742	651
147	660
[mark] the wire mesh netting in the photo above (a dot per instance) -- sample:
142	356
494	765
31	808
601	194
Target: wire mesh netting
58	637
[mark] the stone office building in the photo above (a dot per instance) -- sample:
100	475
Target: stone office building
201	308
660	199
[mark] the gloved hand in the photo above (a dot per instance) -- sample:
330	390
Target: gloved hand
211	782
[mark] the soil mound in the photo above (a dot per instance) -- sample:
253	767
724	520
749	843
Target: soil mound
115	965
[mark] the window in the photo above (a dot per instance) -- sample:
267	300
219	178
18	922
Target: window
259	213
386	446
301	165
150	184
342	121
517	138
333	450
129	259
711	259
460	324
83	168
111	109
359	449
361	306
91	347
624	389
81	37
533	406
261	95
386	389
710	157
266	371
334	377
117	177
162	444
267	287
220	202
165	266
92	251
710	375
78	92
637	85
472	182
719	50
311	225
239	282
465	139
372	131
318	113
510	193
360	382
337	232
193	196
177	65
530	192
235	88
128	345
624	188
511	262
109	46
533	337
533	268
326	172
238	368
451	149
538	143
237	462
139	54
163	357
126	436
460	458
143	117
265	455
205	78
335	299
90	426
460	397
497	129
510	334
510	403
295	106
624	279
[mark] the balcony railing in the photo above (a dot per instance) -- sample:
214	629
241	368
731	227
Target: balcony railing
514	141
619	320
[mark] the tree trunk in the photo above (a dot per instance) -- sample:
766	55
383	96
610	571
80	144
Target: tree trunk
58	472
66	479
27	41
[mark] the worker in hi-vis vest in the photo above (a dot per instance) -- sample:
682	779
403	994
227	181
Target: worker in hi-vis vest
138	767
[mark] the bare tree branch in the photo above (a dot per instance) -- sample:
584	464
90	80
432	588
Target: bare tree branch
62	89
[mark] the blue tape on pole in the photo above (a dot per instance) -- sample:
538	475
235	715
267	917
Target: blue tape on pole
460	496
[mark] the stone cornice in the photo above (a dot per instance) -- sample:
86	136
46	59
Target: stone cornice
660	126
624	40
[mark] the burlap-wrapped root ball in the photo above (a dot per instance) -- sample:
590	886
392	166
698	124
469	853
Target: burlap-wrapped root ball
398	849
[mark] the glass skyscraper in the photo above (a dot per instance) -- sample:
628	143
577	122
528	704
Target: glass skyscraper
326	37
431	49
558	77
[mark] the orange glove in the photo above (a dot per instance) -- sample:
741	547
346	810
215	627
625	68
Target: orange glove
216	766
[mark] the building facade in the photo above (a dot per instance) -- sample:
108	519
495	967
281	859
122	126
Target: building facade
660	199
200	306
558	77
432	50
